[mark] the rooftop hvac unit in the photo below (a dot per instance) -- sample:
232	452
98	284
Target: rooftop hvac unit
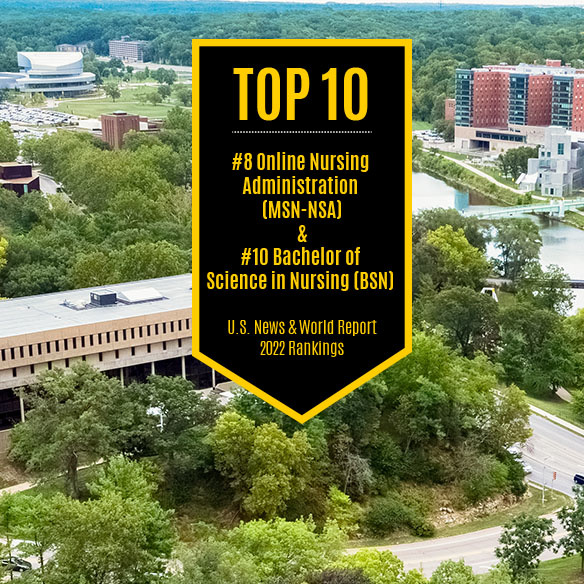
103	298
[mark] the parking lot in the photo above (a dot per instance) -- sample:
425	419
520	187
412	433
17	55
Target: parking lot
30	116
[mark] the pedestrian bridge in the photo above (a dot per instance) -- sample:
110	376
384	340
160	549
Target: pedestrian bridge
557	208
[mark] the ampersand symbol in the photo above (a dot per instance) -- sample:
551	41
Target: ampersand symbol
302	234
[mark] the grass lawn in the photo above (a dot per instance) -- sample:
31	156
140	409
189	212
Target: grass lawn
418	125
454	155
128	101
576	219
494	172
530	505
562	571
557	407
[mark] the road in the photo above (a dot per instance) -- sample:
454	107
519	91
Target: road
552	447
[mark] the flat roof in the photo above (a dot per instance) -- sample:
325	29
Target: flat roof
46	312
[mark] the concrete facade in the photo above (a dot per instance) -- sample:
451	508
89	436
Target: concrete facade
127	50
559	168
147	330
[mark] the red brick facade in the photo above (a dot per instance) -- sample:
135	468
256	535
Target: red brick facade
539	100
491	99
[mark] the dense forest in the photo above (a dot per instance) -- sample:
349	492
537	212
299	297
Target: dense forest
442	40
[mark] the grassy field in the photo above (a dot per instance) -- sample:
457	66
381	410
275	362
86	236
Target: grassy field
418	125
562	571
128	102
494	172
454	155
530	505
557	407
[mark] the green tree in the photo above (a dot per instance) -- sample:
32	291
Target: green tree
164	91
460	263
29	150
112	90
265	466
3	250
78	413
343	511
513	162
178	433
523	540
450	572
184	94
518	242
274	543
9	511
8	145
153	97
470	319
338	576
572	520
146	260
112	539
381	567
37	518
549	289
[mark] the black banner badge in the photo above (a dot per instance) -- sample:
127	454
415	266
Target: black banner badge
302	214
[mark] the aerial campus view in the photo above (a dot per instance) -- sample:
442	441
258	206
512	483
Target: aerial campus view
125	460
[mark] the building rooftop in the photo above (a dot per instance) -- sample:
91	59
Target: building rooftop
46	312
534	69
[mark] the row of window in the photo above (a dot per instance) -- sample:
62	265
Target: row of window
49	347
100	357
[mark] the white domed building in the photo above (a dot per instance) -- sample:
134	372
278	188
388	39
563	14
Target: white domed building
50	73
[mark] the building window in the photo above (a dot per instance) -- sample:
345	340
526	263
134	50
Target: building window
66	362
140	332
561	149
14	372
148	348
48	347
133	351
99	339
57	346
179	343
101	357
3	354
32	369
116	336
12	355
164	346
74	342
91	340
83	342
117	354
148	332
156	329
29	351
40	349
107	337
66	344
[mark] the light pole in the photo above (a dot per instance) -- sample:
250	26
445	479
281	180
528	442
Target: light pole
543	479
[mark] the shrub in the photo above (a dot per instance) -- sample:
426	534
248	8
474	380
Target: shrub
392	513
486	478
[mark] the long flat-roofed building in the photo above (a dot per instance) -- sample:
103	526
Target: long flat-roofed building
129	330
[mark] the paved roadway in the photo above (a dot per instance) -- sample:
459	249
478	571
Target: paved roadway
550	448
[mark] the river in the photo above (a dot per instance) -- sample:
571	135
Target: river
562	244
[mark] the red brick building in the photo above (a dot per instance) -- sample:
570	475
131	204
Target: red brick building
491	99
115	126
449	109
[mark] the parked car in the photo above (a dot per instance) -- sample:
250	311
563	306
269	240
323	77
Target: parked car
16	564
526	467
579	479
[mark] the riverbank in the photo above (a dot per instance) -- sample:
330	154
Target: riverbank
446	169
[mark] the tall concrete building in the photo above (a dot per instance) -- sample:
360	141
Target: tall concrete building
504	106
127	50
129	331
114	127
